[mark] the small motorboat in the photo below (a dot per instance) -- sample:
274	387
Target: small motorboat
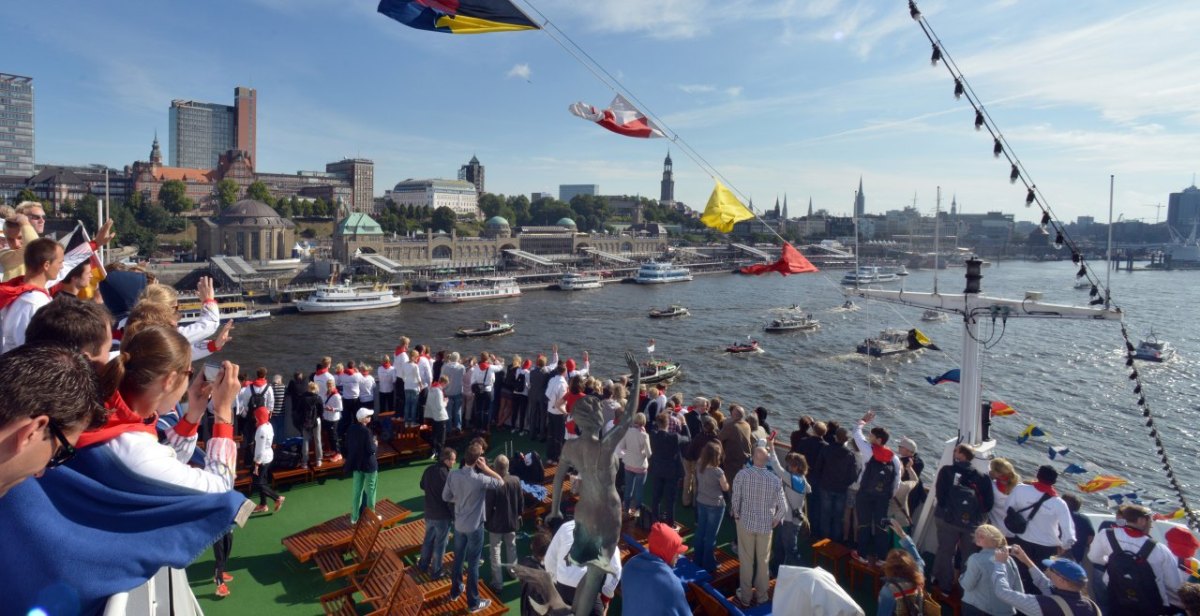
933	316
655	371
674	310
745	347
888	342
804	323
1083	283
849	306
490	328
1153	349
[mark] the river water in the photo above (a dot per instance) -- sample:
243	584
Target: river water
1067	376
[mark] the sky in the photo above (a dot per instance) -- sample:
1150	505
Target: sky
782	97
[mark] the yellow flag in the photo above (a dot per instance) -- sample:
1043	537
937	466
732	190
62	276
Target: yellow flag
723	210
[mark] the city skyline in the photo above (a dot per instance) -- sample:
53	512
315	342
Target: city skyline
816	96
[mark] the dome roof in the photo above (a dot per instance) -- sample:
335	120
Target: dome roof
497	221
251	213
565	222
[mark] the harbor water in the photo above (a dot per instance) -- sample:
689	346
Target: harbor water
1066	376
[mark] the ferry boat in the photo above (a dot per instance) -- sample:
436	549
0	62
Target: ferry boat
888	342
490	328
674	310
230	311
344	298
1153	349
653	272
804	323
869	274
574	281
455	291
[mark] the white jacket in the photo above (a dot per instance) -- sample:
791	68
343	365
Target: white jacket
386	379
435	405
264	436
1166	570
635	449
333	407
411	374
1052	526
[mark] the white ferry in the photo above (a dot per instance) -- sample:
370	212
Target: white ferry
235	311
869	275
653	272
574	281
343	298
454	291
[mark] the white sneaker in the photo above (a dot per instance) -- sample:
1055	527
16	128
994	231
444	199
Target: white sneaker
483	605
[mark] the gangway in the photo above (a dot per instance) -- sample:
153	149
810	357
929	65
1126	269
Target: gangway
387	265
234	268
608	256
829	250
752	251
529	257
691	252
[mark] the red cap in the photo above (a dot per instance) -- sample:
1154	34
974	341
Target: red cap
1182	543
528	364
664	542
570	365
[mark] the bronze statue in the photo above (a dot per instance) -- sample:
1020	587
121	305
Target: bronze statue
598	512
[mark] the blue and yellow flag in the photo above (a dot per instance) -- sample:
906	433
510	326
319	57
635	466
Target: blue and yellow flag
458	16
1030	431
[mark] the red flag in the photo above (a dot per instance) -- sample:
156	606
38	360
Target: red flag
621	118
790	262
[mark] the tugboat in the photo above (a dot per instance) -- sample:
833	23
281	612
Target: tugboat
745	347
655	371
674	310
1153	349
804	323
490	328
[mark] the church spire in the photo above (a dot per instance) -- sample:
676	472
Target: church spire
155	152
785	214
810	206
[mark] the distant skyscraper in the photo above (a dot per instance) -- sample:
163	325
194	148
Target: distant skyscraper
201	132
1183	208
566	192
360	173
472	172
16	125
668	182
860	201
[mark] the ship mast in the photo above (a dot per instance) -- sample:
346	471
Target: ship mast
972	306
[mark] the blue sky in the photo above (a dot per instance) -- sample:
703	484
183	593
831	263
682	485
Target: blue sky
782	96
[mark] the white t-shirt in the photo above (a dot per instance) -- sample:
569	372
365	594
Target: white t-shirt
16	316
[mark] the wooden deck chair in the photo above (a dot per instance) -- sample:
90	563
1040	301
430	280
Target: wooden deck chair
404	539
342	560
403	597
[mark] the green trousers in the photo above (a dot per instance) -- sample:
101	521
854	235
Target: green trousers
364	490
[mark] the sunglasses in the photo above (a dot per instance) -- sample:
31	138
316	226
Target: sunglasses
65	450
36	216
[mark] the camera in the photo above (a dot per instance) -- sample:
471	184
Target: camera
212	372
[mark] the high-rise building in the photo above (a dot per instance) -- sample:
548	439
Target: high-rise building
472	172
458	195
16	125
1183	208
860	201
201	132
668	182
360	173
566	192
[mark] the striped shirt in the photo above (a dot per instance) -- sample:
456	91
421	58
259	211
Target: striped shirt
758	502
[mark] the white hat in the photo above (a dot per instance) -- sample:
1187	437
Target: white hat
364	413
908	444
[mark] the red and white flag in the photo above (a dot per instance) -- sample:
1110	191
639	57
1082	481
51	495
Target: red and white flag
621	118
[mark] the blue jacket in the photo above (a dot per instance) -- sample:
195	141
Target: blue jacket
649	588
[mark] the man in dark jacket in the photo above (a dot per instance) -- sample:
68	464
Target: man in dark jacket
307	419
438	514
361	461
836	470
692	417
666	467
964	499
292	393
502	521
810	447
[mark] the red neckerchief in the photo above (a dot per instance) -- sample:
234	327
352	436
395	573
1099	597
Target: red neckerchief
401	350
341	372
321	371
483	365
121	419
350	371
387	364
882	454
1004	484
437	384
1133	532
259	382
1045	488
11	290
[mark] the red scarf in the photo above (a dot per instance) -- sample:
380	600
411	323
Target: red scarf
1133	532
11	290
259	382
401	350
882	454
121	419
321	372
437	384
1004	484
387	364
1045	488
350	371
483	365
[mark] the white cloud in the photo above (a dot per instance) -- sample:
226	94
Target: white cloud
734	91
521	71
698	88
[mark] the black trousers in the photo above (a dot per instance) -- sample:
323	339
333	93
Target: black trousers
262	483
221	550
556	431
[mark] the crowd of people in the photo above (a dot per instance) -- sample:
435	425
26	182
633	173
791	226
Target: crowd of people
120	430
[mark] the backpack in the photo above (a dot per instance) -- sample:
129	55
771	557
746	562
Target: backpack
1131	583
1016	523
287	454
877	478
916	604
963	506
258	399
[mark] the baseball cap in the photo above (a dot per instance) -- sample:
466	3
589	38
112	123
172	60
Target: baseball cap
1068	569
664	542
364	413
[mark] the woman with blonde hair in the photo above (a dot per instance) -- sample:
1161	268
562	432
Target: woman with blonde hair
711	487
904	577
635	453
1004	479
977	580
